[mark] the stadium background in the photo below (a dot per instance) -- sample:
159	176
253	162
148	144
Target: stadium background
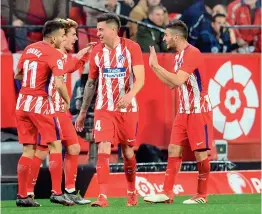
235	89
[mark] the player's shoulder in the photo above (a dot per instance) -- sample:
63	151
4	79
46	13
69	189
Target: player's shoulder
96	49
129	42
192	51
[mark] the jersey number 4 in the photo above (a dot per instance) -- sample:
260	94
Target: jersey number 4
29	71
98	125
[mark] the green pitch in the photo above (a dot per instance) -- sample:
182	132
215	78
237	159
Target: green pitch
218	204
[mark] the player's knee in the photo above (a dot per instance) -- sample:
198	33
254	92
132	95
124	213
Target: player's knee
128	151
29	151
73	149
201	155
104	147
175	150
55	147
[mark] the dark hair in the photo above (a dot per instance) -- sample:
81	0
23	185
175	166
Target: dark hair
179	26
218	15
52	26
109	18
153	8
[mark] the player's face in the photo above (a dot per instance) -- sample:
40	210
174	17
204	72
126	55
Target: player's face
59	37
169	39
105	32
153	2
70	39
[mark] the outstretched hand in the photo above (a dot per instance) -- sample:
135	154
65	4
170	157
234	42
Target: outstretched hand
85	50
153	61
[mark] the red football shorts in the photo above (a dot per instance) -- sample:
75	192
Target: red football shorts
37	128
69	136
68	130
194	130
116	127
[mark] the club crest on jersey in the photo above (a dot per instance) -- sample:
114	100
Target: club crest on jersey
60	64
114	72
121	59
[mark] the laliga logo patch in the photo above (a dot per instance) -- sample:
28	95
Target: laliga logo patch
60	64
234	100
144	187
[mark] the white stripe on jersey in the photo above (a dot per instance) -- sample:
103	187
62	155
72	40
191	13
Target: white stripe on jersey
18	101
109	92
52	110
27	102
121	81
100	86
57	101
38	105
50	87
196	93
209	102
131	80
186	98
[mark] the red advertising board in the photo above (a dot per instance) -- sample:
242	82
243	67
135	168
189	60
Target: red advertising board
234	85
231	182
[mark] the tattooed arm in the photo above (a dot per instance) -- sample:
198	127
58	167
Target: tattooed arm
89	92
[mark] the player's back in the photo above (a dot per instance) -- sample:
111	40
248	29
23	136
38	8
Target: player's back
35	62
38	62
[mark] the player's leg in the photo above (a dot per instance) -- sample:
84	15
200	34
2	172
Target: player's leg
200	133
126	131
27	134
70	170
49	129
175	149
40	155
104	134
130	173
102	170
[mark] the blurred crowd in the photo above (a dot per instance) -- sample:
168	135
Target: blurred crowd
215	29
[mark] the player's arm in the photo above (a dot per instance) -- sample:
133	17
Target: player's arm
139	72
89	92
56	64
170	79
79	59
18	74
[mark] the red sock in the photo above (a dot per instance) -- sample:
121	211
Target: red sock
23	168
173	167
33	175
56	171
103	170
203	170
70	168
130	172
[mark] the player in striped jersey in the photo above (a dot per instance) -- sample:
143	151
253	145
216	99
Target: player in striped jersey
34	109
69	139
117	65
194	119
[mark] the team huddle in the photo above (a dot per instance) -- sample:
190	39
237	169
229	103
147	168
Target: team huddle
116	74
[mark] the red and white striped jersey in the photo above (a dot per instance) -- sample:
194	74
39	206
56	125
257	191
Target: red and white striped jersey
114	70
71	64
193	97
37	63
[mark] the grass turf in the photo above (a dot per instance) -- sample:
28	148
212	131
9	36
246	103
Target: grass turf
218	204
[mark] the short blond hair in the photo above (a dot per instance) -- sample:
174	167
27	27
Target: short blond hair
69	23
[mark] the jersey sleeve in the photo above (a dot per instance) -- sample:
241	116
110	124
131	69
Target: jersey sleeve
93	69
191	60
136	55
56	64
